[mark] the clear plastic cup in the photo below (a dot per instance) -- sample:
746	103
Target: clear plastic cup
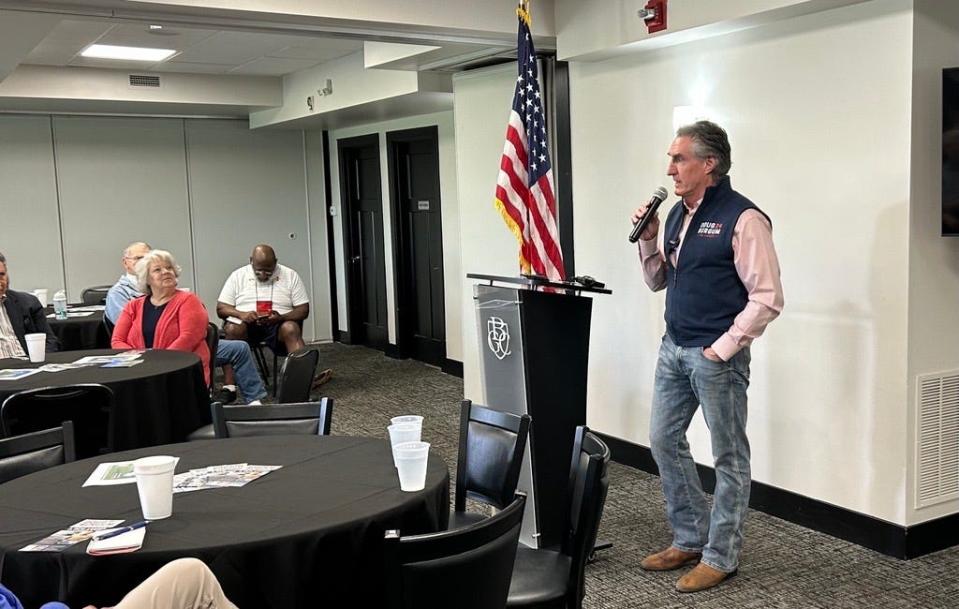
411	460
155	485
36	346
404	432
408	418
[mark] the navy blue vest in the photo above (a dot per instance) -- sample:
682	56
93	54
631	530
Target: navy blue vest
703	292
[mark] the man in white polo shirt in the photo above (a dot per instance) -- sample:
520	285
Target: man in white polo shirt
265	301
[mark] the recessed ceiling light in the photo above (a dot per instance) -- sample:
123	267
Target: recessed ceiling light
156	26
109	51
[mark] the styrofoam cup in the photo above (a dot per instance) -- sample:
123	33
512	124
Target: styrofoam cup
411	459
155	485
36	346
41	294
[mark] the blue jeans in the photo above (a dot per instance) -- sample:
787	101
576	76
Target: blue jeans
237	353
685	380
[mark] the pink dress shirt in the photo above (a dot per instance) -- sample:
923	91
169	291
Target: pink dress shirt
756	264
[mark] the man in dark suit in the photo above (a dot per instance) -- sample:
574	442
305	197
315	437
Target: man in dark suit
20	314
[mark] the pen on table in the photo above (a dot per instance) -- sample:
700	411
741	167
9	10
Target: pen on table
121	530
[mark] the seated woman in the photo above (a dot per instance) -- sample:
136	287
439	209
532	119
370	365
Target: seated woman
165	318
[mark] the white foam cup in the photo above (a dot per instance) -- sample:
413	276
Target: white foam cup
36	346
411	459
41	294
155	485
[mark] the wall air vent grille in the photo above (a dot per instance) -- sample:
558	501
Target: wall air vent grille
937	445
139	80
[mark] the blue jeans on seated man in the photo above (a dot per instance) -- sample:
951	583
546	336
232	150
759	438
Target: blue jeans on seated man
237	353
685	380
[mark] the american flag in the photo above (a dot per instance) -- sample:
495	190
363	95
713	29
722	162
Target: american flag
524	187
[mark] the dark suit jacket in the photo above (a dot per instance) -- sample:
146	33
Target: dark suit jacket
27	316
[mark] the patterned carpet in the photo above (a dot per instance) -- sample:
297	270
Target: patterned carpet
783	565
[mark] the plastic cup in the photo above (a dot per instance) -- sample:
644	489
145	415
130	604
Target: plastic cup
411	459
403	432
41	294
155	485
408	418
36	346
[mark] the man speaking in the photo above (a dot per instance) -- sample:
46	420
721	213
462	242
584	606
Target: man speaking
716	259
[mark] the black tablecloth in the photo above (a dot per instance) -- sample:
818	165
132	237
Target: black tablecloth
307	535
75	333
160	401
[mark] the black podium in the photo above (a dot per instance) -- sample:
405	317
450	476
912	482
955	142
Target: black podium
534	343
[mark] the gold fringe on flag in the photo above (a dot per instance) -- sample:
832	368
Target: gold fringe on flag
524	264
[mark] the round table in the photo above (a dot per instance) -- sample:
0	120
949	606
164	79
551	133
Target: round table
159	401
307	535
75	333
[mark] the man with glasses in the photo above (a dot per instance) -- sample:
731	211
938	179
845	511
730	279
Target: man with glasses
125	289
232	356
266	301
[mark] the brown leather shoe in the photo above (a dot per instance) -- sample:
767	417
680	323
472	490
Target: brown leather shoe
669	559
702	577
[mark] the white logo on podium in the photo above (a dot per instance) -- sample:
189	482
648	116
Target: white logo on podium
497	337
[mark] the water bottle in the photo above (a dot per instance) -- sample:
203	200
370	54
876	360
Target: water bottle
60	304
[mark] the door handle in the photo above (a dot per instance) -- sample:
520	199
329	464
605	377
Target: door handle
355	259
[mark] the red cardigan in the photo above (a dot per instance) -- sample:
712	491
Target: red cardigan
182	327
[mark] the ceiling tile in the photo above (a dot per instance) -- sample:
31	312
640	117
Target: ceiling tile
273	66
139	35
192	68
234	48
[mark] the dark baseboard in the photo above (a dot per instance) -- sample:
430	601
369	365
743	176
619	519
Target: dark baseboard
393	351
873	533
452	367
341	336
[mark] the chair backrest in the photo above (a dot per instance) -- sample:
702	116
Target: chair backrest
89	406
108	325
588	483
212	342
32	452
97	295
467	568
491	450
296	380
304	418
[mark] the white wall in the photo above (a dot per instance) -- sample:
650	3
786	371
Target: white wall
481	105
452	269
933	260
206	190
818	113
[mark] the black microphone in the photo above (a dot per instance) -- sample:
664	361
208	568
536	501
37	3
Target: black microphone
659	196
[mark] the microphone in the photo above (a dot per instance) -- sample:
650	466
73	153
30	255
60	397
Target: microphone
659	195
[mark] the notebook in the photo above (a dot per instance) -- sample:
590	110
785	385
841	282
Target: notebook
131	541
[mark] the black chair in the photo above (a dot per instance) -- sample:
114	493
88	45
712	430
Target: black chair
260	358
89	406
305	418
466	568
108	326
491	450
555	578
212	342
32	452
97	295
297	377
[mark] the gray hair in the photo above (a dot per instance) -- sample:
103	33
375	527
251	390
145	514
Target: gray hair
709	141
3	258
142	269
127	249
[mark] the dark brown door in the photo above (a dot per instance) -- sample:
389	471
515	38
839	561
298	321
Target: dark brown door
418	236
363	228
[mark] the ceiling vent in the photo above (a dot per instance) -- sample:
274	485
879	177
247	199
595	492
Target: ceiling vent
937	442
139	80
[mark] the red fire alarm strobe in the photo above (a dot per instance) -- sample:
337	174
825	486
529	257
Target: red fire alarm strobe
654	14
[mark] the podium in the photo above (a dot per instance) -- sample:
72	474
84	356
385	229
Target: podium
534	343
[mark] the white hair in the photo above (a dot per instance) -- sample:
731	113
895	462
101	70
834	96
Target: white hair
142	269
